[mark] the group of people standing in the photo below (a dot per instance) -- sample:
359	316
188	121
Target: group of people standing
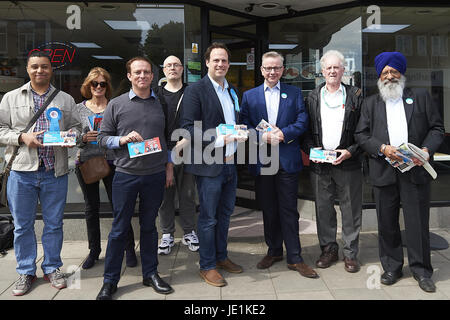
334	116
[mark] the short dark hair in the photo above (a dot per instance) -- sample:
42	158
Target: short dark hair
217	45
129	62
40	54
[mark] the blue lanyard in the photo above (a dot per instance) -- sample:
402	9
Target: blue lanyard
344	95
236	100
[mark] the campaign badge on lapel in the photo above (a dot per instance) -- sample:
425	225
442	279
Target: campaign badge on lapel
235	99
409	101
284	95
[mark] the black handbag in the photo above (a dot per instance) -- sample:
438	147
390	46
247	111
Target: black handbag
5	174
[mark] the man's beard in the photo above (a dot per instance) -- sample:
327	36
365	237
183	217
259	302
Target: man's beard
391	89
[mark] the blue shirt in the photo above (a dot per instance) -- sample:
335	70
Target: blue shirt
228	112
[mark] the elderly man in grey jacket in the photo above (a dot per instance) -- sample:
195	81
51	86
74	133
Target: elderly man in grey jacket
39	172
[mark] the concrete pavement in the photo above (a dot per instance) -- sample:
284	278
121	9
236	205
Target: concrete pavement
246	247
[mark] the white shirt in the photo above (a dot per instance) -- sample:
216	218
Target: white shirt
396	122
228	112
272	96
332	112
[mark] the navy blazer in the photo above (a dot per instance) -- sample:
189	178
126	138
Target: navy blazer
201	103
425	129
292	120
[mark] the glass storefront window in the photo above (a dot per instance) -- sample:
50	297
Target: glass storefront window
82	35
302	41
422	35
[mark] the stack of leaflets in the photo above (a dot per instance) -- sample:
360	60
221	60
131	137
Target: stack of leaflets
264	126
408	152
321	155
235	130
94	124
143	148
59	138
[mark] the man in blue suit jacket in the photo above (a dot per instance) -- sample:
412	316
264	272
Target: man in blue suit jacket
282	106
206	104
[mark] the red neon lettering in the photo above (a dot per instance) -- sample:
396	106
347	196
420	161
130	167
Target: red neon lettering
33	50
51	51
56	55
66	52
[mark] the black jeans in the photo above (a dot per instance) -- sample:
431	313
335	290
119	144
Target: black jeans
91	193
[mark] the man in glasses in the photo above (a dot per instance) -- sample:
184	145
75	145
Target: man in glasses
39	172
334	110
394	116
283	108
181	183
133	117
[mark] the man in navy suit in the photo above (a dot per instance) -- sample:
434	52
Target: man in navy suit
281	106
206	104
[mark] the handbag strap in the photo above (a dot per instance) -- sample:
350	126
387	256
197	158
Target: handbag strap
29	125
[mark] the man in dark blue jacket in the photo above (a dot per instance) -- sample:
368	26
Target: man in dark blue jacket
283	108
207	104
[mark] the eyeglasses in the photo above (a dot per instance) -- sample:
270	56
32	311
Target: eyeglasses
170	65
95	84
393	72
270	69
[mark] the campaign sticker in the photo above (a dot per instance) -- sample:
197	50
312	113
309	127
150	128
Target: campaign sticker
409	101
284	95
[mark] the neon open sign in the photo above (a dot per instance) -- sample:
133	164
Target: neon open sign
61	54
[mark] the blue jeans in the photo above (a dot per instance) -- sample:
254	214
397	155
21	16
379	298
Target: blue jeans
217	196
125	190
24	191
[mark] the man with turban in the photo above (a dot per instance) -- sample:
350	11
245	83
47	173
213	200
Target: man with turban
394	116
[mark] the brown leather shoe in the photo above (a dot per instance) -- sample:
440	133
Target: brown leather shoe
213	277
350	265
328	257
229	266
304	270
268	261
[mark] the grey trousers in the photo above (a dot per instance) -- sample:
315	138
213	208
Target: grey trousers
184	187
346	186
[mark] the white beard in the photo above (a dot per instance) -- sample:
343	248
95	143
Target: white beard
391	89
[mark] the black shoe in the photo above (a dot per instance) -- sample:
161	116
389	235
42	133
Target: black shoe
90	260
131	258
158	284
389	278
107	291
426	284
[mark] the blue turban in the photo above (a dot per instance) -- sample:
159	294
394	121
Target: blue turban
394	59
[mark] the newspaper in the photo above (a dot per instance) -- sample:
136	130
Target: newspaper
408	152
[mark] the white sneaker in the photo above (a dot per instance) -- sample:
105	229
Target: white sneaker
166	244
191	240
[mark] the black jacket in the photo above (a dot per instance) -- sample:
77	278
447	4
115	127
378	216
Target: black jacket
171	113
313	138
425	129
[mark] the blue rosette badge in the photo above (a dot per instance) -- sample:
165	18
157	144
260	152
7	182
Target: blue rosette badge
54	136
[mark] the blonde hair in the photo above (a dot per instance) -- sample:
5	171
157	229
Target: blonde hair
94	73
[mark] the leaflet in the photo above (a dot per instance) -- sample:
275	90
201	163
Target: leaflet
143	148
264	126
60	138
235	130
322	155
